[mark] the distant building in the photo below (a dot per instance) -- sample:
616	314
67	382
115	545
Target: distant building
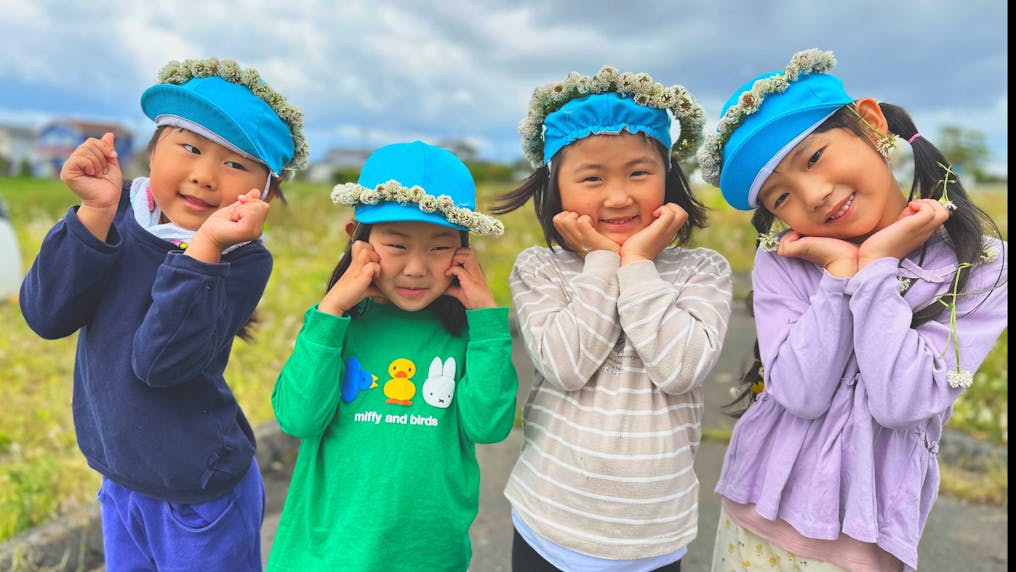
461	148
58	139
336	158
350	158
17	145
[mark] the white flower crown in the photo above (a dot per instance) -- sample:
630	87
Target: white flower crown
181	72
640	87
353	194
803	63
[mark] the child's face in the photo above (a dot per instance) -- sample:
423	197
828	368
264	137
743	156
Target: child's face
414	259
192	177
617	180
833	184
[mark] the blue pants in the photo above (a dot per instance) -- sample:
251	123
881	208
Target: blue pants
141	533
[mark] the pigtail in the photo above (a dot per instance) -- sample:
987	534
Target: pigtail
933	178
541	187
678	191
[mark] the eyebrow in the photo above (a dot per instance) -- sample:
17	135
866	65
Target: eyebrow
438	234
637	161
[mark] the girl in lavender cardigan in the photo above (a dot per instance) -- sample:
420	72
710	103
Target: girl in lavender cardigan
874	307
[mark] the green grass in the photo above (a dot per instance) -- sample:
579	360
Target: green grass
41	470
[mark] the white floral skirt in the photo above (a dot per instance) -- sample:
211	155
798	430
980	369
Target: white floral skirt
737	550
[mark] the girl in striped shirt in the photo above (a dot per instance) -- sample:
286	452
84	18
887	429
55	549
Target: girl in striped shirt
621	322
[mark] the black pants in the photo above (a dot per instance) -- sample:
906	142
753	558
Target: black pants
525	559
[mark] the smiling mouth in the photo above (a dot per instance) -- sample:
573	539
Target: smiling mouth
196	203
619	220
411	292
843	209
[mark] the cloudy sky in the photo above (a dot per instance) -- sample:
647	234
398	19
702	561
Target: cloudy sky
371	72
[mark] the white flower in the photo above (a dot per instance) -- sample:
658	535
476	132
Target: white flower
988	254
959	379
178	73
640	87
769	242
710	156
352	194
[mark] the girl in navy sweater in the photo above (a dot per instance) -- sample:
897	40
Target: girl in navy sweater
157	276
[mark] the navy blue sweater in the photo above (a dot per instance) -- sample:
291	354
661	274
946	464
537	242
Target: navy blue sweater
152	409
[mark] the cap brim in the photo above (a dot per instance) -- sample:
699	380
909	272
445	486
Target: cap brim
395	212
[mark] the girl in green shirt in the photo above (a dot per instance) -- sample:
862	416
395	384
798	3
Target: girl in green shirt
397	373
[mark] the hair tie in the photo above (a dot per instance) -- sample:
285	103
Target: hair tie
913	137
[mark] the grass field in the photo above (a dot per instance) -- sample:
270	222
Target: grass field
41	469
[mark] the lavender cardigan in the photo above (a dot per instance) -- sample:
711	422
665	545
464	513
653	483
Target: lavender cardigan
844	437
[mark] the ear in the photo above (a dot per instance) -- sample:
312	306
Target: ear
870	111
350	227
435	368
449	368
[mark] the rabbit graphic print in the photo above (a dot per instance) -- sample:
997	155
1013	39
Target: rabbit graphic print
439	389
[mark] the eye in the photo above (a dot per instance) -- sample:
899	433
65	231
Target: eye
395	246
190	148
780	200
641	173
815	157
441	248
236	165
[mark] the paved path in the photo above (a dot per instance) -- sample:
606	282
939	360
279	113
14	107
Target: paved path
958	536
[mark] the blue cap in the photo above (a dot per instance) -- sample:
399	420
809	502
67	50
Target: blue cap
608	112
763	138
228	110
435	170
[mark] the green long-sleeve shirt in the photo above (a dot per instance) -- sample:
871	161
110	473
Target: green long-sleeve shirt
388	406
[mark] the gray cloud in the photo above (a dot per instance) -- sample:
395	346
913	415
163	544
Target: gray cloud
466	68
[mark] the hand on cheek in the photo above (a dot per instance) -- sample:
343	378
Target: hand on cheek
580	235
649	242
472	289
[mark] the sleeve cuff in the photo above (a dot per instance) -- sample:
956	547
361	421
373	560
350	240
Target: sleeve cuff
323	328
601	262
176	259
77	228
488	323
637	275
876	271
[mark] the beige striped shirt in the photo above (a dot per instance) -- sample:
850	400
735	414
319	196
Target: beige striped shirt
613	418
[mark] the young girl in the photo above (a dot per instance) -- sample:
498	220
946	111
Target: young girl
157	275
621	326
873	311
398	372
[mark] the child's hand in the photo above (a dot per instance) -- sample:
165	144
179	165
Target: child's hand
578	233
472	290
649	242
913	228
93	173
356	283
838	257
241	221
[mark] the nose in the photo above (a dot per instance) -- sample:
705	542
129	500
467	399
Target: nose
416	266
203	172
816	196
616	196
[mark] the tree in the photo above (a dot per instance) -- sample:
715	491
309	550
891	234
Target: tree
967	149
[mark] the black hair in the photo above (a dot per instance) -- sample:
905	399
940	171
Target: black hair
966	227
246	331
542	186
448	309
